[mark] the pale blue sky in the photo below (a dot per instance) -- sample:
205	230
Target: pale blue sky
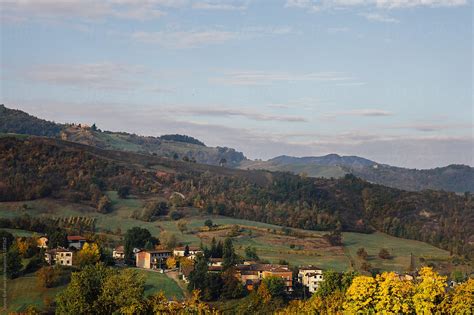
390	80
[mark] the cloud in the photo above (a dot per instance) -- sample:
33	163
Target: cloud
231	112
220	5
194	38
183	39
84	9
317	5
365	112
377	17
256	78
433	127
92	75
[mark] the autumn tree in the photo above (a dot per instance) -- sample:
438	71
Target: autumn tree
171	262
361	295
459	300
88	255
393	295
429	291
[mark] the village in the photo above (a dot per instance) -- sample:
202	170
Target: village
250	273
182	259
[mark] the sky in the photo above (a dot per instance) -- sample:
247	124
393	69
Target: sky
389	80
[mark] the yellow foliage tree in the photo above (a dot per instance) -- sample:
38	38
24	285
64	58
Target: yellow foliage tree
460	300
22	244
171	262
88	255
393	296
185	262
360	297
429	291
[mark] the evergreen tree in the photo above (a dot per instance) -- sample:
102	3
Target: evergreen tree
228	254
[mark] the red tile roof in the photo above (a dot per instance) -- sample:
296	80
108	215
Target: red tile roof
75	238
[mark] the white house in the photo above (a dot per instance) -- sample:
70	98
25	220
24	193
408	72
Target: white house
310	277
193	251
118	252
60	256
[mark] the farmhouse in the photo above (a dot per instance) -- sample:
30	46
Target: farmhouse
76	241
60	256
252	274
191	252
42	242
310	277
151	259
118	252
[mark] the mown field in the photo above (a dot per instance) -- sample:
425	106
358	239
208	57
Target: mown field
270	246
156	282
24	291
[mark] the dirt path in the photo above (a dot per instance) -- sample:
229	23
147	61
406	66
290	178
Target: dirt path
175	276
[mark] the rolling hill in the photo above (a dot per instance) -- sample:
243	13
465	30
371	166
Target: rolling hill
33	168
454	178
172	146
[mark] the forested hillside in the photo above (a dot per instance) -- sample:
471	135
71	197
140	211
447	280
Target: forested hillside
17	121
172	145
39	167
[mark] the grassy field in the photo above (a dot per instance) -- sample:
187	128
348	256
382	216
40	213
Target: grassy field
267	244
24	291
156	282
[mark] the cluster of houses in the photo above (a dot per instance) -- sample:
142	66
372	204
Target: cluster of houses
250	273
60	255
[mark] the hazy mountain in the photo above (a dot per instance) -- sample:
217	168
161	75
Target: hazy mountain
456	178
172	146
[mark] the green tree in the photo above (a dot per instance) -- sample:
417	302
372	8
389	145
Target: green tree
209	223
122	293
232	288
275	286
13	263
136	237
80	296
229	258
251	253
6	238
198	277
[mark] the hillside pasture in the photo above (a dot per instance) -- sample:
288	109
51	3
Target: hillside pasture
269	240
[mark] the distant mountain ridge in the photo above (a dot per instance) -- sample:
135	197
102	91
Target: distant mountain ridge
172	145
455	178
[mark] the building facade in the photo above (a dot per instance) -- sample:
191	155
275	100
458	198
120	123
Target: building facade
152	259
310	277
59	256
